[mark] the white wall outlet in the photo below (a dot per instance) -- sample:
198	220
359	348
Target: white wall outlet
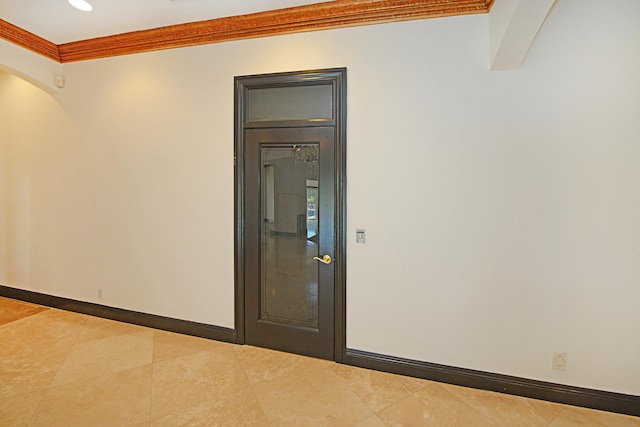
99	293
559	361
360	236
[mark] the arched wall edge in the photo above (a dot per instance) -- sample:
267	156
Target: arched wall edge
30	66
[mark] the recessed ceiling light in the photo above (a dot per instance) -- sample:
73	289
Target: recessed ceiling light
81	4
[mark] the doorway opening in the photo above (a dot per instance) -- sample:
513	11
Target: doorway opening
290	217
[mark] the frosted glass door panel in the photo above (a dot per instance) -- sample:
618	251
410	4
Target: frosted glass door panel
291	103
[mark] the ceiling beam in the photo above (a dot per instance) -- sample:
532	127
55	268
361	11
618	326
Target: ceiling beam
513	26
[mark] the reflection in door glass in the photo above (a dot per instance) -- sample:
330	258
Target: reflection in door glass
312	208
289	237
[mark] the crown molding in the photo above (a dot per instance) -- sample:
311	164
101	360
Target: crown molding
319	16
27	40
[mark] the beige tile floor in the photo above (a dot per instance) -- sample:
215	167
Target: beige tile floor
59	368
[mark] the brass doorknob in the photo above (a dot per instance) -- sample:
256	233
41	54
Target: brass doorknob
326	259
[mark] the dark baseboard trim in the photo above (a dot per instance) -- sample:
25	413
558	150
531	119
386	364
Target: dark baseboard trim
560	393
143	319
569	395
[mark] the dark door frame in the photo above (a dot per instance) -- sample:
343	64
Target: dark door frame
337	77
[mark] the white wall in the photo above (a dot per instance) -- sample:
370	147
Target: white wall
517	232
502	208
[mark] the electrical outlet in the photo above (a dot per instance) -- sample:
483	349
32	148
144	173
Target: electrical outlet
100	293
559	361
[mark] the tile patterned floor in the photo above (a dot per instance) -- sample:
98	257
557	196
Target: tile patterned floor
66	369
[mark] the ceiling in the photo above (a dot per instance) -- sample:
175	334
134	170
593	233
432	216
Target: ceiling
56	30
58	22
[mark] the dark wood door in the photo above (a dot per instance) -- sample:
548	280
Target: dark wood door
290	239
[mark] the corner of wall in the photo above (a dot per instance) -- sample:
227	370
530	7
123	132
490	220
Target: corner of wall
3	199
